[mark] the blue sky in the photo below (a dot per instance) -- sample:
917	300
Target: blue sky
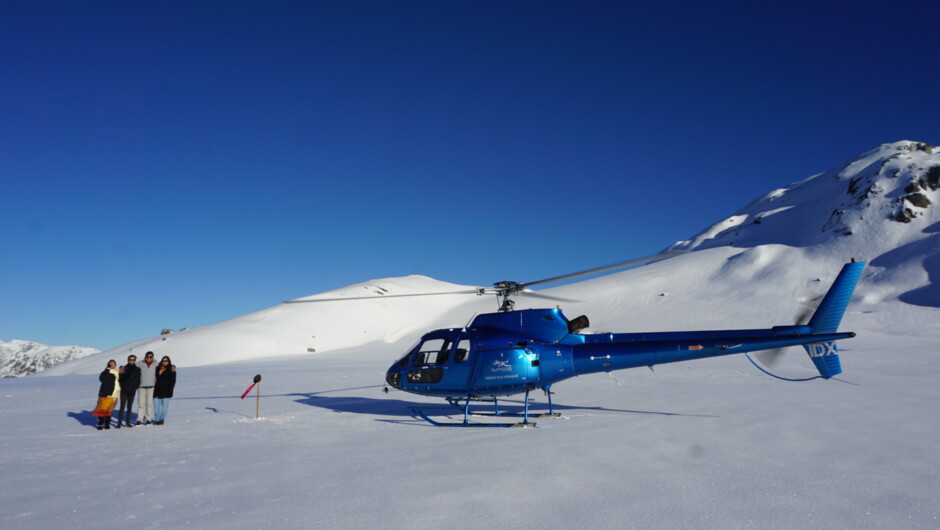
174	164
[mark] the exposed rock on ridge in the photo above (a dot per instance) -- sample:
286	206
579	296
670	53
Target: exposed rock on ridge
895	183
20	357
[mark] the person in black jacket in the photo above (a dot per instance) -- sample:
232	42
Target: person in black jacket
106	395
130	382
163	389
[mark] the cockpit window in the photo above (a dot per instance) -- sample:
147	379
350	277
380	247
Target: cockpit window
403	361
432	352
463	351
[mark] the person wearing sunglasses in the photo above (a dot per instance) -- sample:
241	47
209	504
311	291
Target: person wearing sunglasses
163	389
129	378
148	378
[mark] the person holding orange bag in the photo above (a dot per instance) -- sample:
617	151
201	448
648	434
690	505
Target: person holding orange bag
108	394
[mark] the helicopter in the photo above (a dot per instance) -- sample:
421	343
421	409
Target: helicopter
513	352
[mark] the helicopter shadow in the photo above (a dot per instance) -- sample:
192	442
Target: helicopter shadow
404	412
358	405
539	408
401	409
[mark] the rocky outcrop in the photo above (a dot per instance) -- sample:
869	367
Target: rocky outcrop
20	357
896	183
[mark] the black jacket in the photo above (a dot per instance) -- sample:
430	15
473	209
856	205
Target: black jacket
165	383
130	379
107	383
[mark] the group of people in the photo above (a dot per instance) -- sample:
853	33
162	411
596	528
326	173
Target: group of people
151	382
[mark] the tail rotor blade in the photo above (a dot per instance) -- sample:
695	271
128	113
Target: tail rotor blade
770	358
807	308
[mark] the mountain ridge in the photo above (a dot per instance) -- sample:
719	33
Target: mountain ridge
21	357
897	181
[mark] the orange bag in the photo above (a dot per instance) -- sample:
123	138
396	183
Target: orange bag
105	407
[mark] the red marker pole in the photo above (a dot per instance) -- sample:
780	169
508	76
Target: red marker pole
257	382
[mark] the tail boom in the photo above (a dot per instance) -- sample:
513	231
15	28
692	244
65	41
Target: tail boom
616	351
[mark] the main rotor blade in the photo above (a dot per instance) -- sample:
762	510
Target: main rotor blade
382	297
534	294
623	264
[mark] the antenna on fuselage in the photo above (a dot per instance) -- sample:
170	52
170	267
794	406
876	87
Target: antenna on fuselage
467	325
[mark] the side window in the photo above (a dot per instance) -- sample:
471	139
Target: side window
432	352
463	351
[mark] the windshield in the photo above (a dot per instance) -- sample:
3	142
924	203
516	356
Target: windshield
403	360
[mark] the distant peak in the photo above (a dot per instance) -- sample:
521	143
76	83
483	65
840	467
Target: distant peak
870	198
908	145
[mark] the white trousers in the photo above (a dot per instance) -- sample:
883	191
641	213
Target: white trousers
144	404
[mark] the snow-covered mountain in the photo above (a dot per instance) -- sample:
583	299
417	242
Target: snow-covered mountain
882	207
20	357
884	198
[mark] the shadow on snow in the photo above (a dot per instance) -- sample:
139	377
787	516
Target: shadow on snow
403	411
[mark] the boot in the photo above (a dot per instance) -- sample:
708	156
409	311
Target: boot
100	424
107	423
118	426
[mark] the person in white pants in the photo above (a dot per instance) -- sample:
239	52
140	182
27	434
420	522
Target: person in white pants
148	378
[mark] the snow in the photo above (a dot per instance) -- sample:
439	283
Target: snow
703	444
706	444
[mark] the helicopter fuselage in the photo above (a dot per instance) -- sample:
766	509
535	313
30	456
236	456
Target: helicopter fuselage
513	352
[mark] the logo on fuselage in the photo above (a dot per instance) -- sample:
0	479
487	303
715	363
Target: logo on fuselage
822	349
501	366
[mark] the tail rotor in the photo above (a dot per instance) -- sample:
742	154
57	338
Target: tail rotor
771	358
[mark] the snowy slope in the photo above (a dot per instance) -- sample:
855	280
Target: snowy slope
897	182
21	357
786	245
303	329
704	444
882	207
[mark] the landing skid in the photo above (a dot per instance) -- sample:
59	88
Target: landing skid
518	414
436	423
496	413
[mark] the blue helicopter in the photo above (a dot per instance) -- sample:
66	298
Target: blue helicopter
517	351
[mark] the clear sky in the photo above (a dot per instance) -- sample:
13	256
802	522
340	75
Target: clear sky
175	164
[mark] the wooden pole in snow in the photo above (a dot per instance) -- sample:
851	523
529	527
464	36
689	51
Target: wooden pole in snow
257	381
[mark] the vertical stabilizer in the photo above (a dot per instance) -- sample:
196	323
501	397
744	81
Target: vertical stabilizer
830	311
828	316
825	356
